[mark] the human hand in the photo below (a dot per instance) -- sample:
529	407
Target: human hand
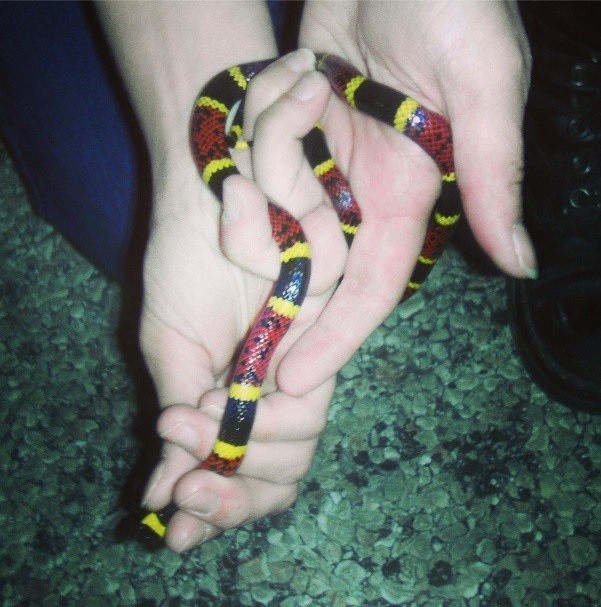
467	61
198	306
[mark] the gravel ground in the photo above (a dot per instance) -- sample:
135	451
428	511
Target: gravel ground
445	478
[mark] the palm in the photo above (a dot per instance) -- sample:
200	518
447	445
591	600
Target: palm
198	300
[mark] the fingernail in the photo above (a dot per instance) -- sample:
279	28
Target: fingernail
152	484
166	433
301	60
202	534
306	87
524	251
204	502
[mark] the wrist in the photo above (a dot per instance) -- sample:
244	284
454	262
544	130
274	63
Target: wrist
167	51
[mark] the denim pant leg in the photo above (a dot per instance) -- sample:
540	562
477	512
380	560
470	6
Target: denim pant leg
67	127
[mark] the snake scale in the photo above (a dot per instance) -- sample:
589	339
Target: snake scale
213	132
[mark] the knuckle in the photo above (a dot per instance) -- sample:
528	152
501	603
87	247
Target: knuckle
298	466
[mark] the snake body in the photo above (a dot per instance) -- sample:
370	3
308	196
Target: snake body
212	136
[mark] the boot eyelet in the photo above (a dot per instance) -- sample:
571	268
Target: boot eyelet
580	198
581	165
578	74
579	104
578	129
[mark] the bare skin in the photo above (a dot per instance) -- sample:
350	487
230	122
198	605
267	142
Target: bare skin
467	60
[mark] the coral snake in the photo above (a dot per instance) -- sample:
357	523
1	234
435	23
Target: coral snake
212	136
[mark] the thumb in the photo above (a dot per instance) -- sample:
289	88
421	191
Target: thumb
488	148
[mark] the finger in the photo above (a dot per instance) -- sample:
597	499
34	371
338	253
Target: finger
487	132
489	164
372	287
185	531
276	461
279	164
175	462
283	173
211	503
246	236
189	435
181	371
382	257
272	83
279	417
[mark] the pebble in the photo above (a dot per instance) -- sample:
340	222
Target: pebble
583	552
444	475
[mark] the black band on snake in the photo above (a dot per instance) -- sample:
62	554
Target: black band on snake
211	142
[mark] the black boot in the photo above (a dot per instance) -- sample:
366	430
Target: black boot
556	319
